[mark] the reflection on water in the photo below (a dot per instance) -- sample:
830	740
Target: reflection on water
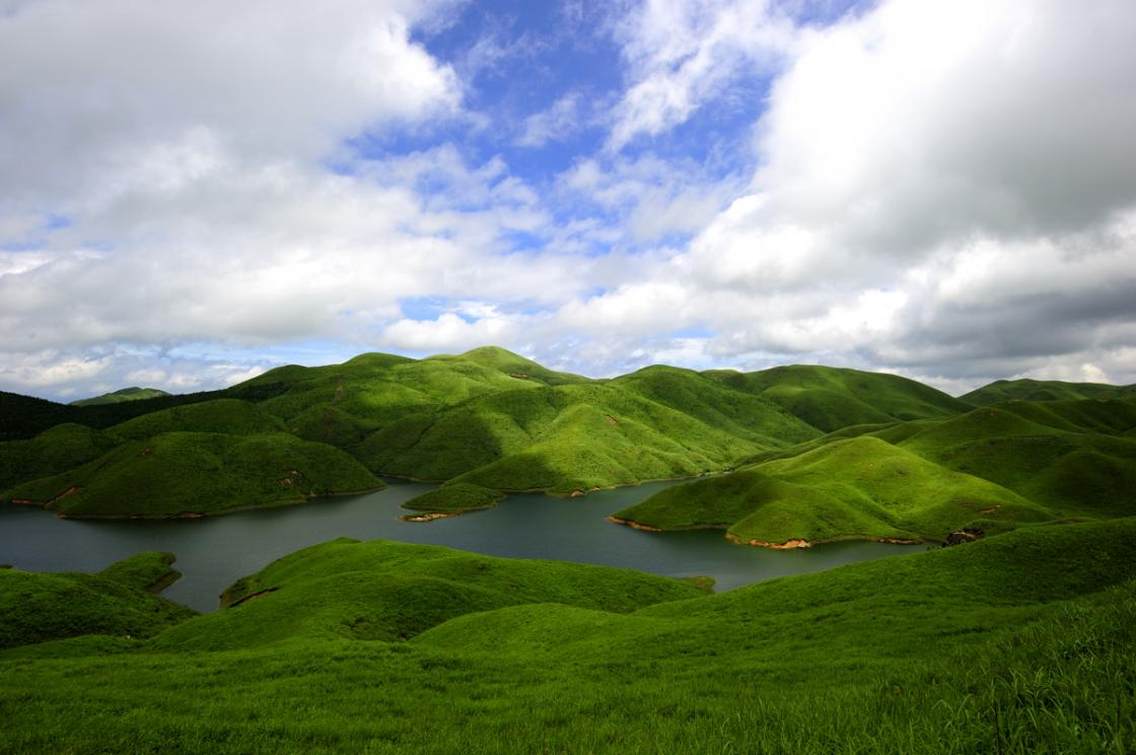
213	552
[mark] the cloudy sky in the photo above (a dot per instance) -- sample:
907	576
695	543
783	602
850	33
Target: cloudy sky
193	192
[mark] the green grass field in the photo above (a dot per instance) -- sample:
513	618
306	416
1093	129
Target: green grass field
117	602
1019	643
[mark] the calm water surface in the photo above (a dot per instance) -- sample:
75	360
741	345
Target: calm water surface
214	552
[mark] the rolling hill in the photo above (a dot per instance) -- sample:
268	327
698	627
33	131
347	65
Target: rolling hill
991	468
117	602
1044	390
1018	643
493	422
190	474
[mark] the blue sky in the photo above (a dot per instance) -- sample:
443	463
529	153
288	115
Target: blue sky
190	196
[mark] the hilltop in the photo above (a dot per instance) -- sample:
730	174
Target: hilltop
1045	390
133	393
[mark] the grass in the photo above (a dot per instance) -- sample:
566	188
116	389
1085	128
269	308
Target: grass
231	416
992	468
53	451
1075	472
830	398
35	607
455	498
199	473
382	590
1018	643
151	571
856	488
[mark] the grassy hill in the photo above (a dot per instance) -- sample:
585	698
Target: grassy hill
1075	472
557	438
857	488
118	602
1044	390
226	415
53	451
829	398
23	417
495	422
186	473
991	468
117	397
382	590
1019	643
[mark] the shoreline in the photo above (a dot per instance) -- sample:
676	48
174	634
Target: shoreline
190	514
790	544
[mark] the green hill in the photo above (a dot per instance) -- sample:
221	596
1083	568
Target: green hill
39	607
1072	471
1018	643
59	449
559	438
857	488
183	473
226	415
829	398
499	422
718	405
1044	390
23	417
117	397
382	590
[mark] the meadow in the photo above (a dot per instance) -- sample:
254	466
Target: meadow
1018	643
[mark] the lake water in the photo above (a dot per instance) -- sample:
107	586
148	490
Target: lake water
214	552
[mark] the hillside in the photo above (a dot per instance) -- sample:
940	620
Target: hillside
829	398
1044	390
117	602
559	439
494	422
991	468
53	451
382	590
1019	643
122	395
858	488
1079	471
186	474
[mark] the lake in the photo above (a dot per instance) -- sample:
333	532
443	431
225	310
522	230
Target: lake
214	552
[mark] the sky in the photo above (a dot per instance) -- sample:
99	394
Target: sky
193	193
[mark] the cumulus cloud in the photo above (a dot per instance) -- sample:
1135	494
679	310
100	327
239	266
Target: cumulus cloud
944	188
125	90
682	53
947	190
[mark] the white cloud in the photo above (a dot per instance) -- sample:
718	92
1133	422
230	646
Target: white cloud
560	120
99	91
943	189
682	53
